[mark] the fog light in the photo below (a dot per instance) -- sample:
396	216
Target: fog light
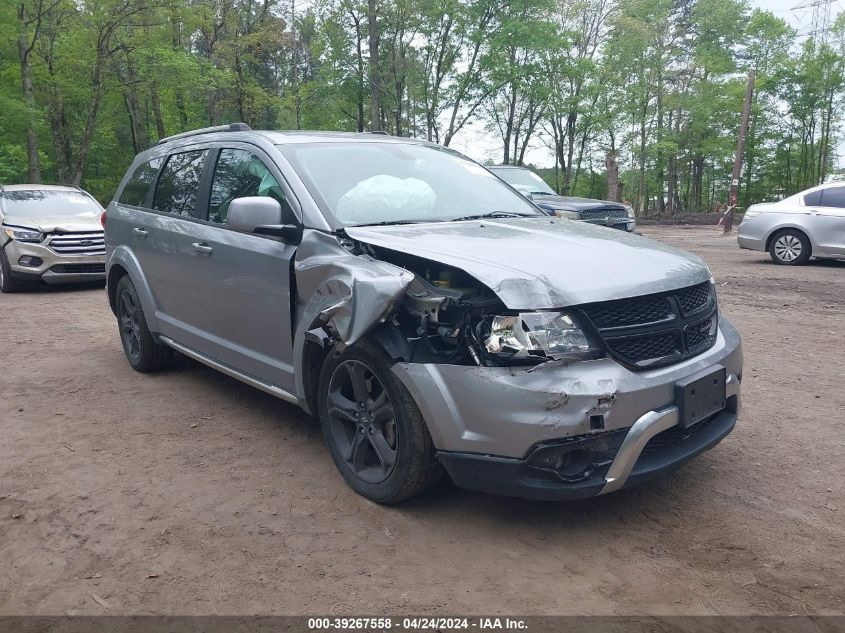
574	463
579	458
30	261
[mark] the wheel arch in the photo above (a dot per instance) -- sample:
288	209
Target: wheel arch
789	227
122	262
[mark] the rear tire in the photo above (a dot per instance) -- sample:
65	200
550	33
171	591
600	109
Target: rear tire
790	247
374	430
141	349
7	284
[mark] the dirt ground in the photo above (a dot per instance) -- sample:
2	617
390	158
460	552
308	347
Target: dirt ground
187	492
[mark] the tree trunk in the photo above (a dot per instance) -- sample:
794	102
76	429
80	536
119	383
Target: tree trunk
361	122
24	49
85	144
612	168
178	97
159	121
659	160
375	73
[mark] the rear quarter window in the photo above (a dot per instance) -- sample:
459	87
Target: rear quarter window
140	185
813	198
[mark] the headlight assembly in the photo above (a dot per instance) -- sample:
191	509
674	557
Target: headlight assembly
569	215
23	235
529	335
630	211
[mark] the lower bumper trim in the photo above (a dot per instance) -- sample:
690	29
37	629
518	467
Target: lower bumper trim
516	478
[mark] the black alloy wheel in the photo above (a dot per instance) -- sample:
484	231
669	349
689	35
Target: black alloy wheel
130	327
362	421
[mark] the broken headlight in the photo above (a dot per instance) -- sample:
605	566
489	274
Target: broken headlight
537	334
23	235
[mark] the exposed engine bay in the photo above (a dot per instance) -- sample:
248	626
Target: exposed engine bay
447	316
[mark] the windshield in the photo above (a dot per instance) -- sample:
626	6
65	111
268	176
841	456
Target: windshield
40	203
523	180
394	183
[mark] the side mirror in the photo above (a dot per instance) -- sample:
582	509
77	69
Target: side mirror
261	215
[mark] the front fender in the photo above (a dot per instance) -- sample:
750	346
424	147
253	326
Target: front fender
347	294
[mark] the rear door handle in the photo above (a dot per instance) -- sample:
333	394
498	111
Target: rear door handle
202	248
141	233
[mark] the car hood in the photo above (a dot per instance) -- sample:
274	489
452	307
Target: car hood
533	263
565	203
60	223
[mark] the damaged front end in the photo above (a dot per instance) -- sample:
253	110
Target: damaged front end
435	313
535	397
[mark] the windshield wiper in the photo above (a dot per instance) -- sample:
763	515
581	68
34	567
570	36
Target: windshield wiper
394	222
493	214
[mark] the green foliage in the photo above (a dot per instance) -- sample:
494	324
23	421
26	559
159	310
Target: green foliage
659	84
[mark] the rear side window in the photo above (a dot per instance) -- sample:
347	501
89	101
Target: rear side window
239	174
179	183
137	190
834	197
812	199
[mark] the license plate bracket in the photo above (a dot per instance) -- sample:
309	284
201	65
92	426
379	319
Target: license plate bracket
701	395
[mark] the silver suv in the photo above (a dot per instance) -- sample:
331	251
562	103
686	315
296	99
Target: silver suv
51	234
430	316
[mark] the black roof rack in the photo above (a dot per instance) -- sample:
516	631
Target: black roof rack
382	132
231	127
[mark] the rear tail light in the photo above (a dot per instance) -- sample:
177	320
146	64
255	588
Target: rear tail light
103	219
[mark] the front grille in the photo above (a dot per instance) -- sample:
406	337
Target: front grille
702	335
629	312
601	213
78	268
644	348
694	298
90	243
658	329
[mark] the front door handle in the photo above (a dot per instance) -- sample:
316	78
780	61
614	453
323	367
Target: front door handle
140	233
202	248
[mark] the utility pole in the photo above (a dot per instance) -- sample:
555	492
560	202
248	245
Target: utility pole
728	219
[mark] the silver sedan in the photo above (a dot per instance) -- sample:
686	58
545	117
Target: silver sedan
809	223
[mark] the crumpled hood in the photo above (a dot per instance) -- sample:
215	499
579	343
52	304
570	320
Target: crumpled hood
60	223
533	263
565	203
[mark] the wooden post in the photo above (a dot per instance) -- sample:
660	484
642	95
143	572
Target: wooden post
728	219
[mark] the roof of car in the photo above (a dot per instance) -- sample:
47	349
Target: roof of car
508	167
281	137
39	188
241	131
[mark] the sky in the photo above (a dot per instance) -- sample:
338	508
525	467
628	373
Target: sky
482	145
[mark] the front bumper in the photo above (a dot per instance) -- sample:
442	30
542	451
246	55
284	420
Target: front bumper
653	445
54	268
488	422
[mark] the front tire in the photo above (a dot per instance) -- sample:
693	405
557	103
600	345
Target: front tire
790	247
373	428
141	349
7	284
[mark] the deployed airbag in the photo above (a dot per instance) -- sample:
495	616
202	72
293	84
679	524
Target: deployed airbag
386	198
